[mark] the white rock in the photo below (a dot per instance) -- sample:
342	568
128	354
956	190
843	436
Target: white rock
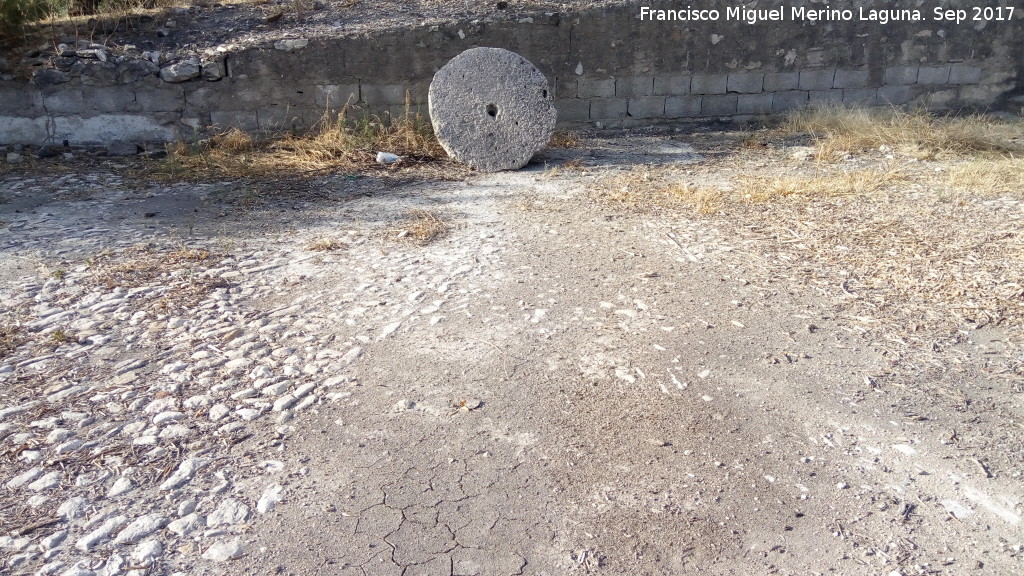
16	544
18	560
260	372
176	431
161	405
352	354
186	507
186	470
167	416
24	478
148	551
68	447
218	411
187	524
181	71
230	428
142	526
90	540
199	401
121	486
114	565
301	391
275	389
230	511
306	403
248	414
284	402
174	367
389	330
335	380
224	551
238	365
271	496
47	481
53	540
246	393
73	508
272	466
146	440
58	435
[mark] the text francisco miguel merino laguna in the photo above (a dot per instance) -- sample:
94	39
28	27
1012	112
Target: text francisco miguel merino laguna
795	13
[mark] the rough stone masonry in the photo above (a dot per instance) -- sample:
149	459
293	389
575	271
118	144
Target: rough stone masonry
491	109
606	66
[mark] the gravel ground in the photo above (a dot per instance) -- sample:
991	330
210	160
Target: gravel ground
556	386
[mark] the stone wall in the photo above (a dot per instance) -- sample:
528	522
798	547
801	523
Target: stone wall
607	67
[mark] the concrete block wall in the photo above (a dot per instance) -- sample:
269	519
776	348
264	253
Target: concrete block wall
606	66
728	94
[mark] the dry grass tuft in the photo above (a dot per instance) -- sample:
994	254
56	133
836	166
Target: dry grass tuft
10	338
575	164
564	139
337	140
703	199
989	177
838	130
651	188
820	184
326	245
60	336
137	266
421	227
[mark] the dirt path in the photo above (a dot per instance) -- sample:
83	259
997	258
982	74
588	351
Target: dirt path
557	386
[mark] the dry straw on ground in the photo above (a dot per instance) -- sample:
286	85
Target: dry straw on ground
838	130
347	139
913	232
653	188
564	139
10	338
144	265
326	245
421	227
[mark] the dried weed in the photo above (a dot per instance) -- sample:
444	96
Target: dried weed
838	130
326	245
823	183
989	177
651	188
564	139
421	227
10	338
345	139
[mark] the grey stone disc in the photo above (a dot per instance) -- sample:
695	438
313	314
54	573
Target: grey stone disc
491	109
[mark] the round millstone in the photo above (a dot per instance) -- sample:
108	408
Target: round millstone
491	109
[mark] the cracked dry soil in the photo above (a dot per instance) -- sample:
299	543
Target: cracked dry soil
557	386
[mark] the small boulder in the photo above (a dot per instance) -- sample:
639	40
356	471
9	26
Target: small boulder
181	71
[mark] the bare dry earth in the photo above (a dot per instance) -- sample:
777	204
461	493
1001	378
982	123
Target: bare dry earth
563	385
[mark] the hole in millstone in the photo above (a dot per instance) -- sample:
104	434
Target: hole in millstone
545	93
492	110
